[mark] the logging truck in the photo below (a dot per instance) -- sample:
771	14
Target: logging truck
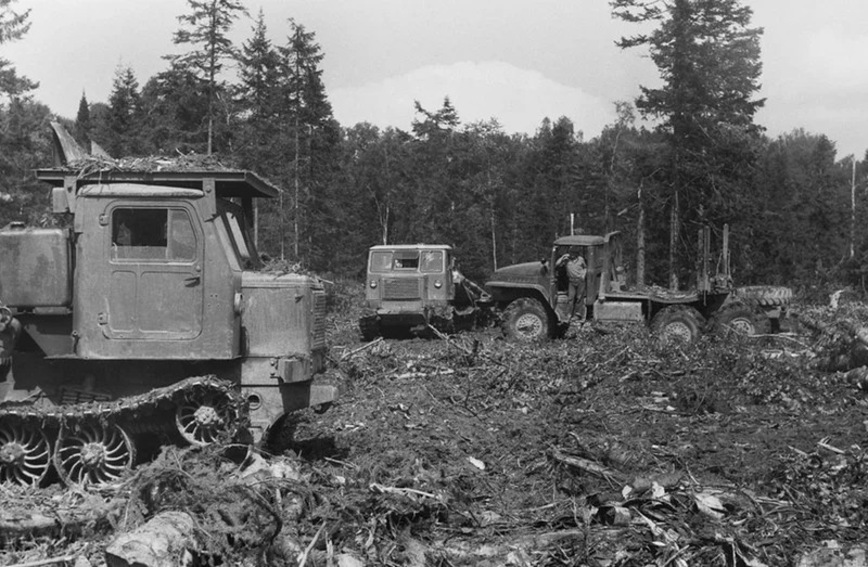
534	303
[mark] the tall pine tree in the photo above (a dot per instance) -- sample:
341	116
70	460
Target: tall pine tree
310	135
708	58
206	30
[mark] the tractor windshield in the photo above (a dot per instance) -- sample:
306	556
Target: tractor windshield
233	221
425	261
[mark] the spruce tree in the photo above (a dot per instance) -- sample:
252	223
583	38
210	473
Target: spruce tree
13	26
708	58
82	122
123	137
206	30
310	135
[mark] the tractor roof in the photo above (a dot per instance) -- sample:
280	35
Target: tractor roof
411	247
227	182
76	168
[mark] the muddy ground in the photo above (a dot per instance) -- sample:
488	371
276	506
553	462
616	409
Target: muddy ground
601	449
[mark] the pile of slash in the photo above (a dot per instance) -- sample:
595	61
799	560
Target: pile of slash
601	449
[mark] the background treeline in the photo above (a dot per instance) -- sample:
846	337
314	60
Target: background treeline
497	198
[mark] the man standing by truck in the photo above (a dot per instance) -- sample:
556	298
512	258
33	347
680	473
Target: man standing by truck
576	268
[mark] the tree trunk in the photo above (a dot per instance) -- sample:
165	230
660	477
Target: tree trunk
640	241
673	242
493	239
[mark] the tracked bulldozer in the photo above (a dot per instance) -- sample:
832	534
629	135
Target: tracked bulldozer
145	317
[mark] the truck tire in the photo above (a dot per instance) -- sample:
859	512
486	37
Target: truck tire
677	324
742	318
370	328
767	295
525	319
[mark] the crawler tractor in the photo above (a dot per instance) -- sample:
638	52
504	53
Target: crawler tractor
148	319
533	297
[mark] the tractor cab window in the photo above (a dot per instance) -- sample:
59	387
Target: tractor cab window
152	233
181	238
432	261
381	261
139	234
239	236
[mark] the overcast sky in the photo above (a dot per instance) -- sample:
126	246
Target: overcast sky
518	61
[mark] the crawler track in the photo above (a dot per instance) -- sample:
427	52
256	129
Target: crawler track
95	442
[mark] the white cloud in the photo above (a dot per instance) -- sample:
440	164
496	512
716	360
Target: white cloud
518	98
837	59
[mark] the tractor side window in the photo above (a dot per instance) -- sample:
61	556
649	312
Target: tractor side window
381	261
182	239
139	234
432	261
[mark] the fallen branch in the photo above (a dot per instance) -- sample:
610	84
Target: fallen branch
587	466
50	561
402	491
449	341
303	559
353	352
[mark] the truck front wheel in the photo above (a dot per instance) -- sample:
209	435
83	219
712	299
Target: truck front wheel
525	319
677	324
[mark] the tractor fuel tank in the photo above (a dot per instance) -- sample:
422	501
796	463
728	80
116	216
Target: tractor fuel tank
35	267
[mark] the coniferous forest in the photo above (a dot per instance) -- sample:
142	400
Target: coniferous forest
795	208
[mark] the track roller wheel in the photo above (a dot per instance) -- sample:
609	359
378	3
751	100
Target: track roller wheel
25	453
204	417
93	454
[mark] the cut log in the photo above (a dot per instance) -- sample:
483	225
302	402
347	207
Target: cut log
166	540
586	465
842	346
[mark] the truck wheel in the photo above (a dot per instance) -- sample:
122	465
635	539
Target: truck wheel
370	328
525	319
677	324
740	318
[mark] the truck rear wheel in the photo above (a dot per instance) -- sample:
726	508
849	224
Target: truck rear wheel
525	319
677	324
740	318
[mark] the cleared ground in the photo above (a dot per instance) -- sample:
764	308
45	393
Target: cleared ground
600	449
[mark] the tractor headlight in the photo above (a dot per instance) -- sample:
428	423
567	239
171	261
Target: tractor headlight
438	284
373	284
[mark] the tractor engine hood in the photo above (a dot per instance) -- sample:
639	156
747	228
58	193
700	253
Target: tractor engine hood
526	272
